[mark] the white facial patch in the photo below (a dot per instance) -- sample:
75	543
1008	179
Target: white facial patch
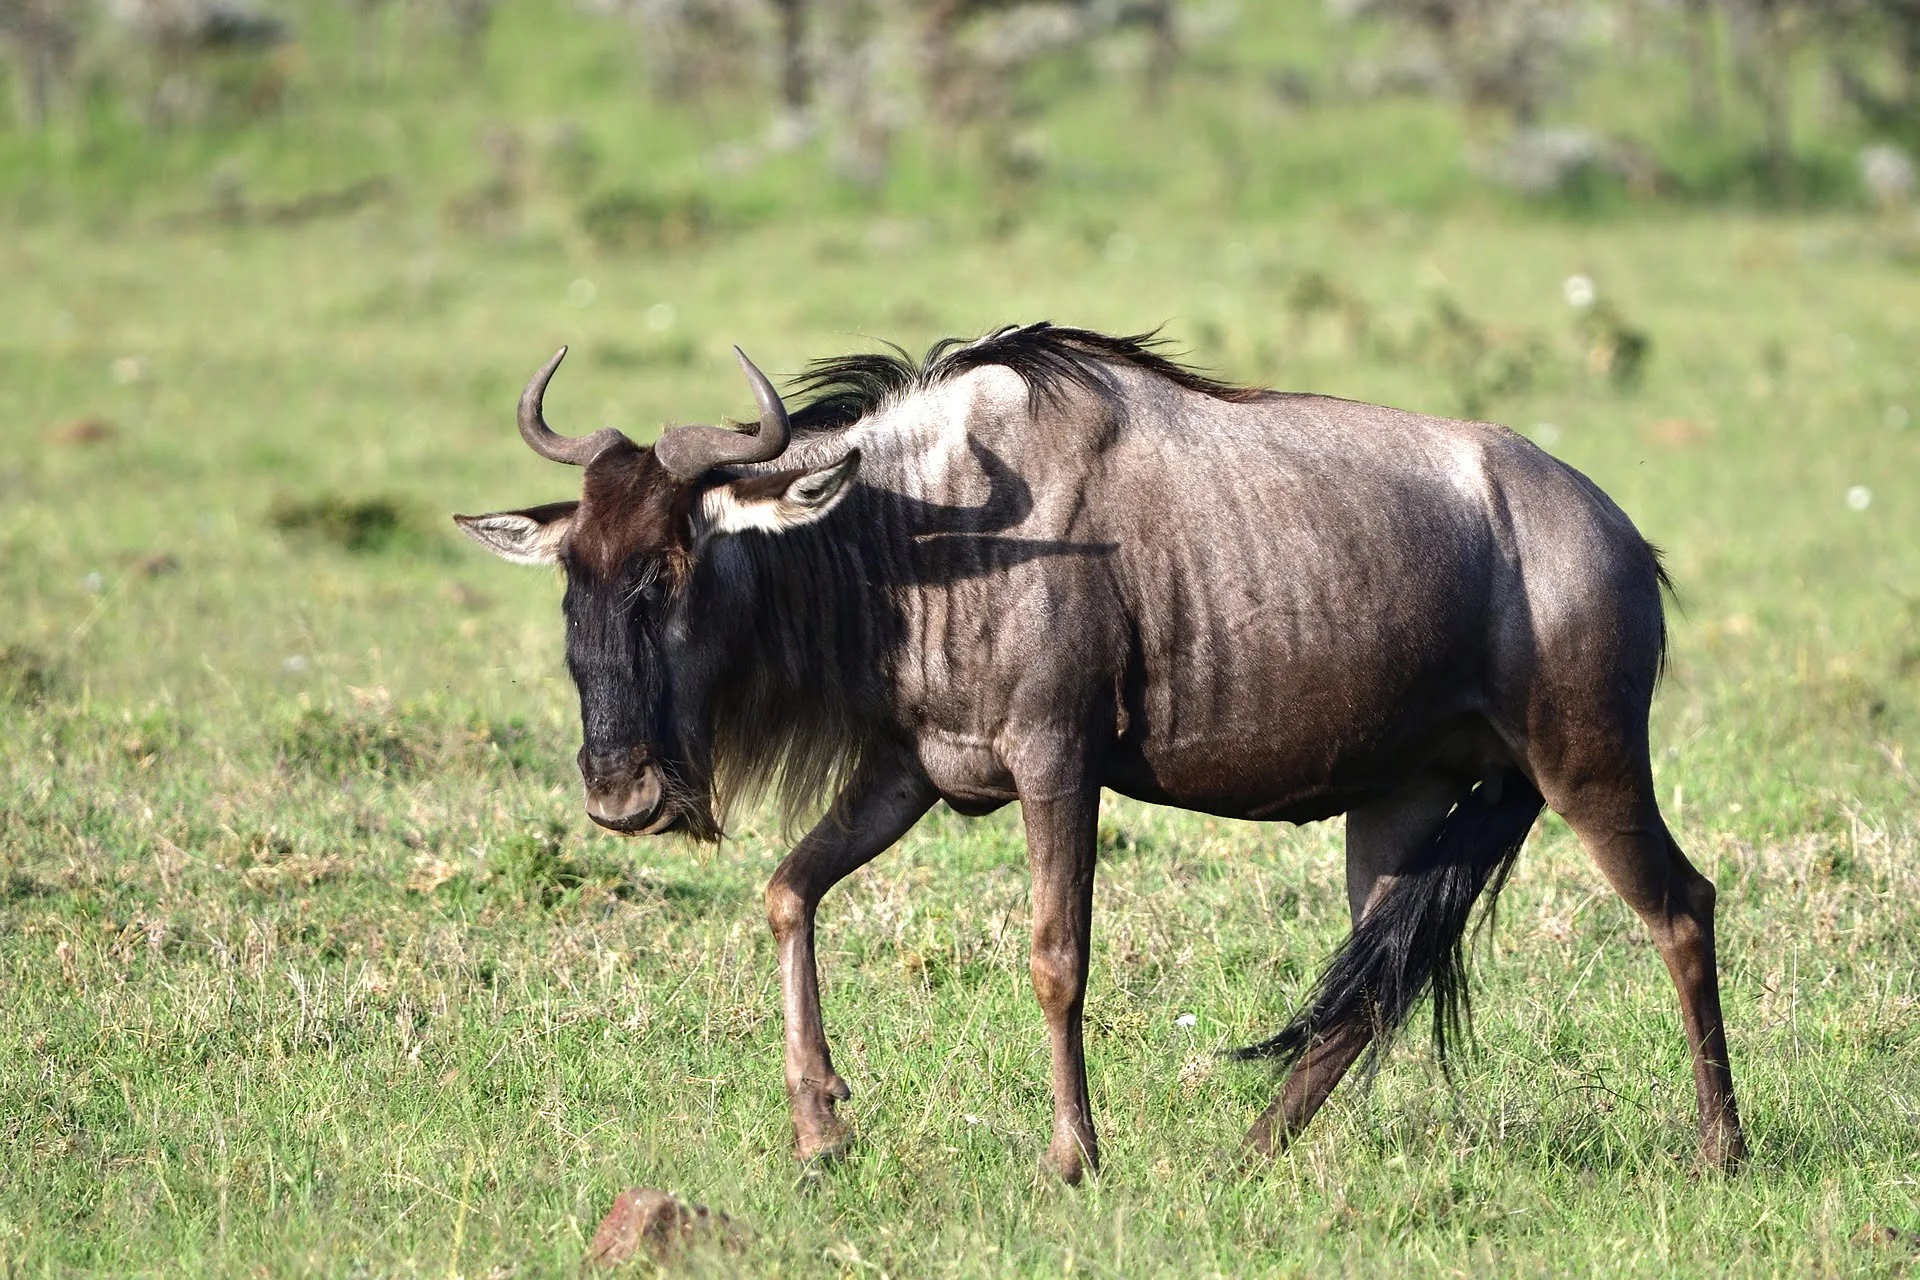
725	513
809	497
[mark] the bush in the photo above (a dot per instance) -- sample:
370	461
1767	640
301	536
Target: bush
337	745
627	218
355	524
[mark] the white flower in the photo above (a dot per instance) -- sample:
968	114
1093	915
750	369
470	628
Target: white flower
1185	1020
1579	291
1859	497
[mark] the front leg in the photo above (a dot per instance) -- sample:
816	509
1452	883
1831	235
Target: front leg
875	809
1061	804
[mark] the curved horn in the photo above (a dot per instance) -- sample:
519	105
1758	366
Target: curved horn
690	452
544	440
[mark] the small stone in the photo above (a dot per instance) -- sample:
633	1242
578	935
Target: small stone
84	431
653	1221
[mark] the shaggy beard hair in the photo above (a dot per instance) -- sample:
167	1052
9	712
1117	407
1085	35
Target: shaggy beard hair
693	802
796	744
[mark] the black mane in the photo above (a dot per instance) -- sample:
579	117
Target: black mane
1050	359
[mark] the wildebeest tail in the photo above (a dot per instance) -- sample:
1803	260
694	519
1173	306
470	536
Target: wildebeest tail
1414	939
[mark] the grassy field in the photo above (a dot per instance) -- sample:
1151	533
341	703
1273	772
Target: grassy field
310	963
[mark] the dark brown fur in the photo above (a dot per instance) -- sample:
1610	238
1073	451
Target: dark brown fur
629	509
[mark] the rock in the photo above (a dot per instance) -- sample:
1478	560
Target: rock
1411	74
157	564
84	431
190	25
659	1224
1550	161
1887	173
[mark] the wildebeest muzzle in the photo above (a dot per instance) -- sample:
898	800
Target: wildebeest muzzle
626	790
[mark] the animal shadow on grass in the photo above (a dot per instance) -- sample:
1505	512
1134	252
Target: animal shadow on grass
336	744
15	887
27	677
536	867
360	525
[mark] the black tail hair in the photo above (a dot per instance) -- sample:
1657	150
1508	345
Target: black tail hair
1415	937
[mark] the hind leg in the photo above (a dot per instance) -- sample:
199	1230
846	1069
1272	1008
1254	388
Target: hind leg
1609	803
1382	838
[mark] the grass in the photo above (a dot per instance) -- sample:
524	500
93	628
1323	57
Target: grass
312	965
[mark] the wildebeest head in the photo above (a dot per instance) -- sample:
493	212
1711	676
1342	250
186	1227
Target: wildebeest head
629	548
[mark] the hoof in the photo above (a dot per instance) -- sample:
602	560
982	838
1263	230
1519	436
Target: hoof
654	1225
1723	1152
819	1134
822	1146
1072	1167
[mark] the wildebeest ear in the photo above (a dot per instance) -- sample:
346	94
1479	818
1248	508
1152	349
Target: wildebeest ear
532	536
777	503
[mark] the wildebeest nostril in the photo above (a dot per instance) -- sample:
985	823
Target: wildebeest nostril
629	802
602	768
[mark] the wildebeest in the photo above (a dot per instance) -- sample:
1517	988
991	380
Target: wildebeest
1052	561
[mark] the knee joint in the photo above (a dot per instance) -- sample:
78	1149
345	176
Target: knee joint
787	908
1057	976
1702	897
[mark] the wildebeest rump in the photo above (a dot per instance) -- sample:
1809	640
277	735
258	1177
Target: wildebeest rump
1052	561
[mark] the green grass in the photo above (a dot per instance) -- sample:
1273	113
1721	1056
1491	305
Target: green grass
311	964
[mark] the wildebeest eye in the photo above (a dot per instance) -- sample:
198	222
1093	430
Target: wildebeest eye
644	588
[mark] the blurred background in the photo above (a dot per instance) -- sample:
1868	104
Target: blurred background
655	123
299	913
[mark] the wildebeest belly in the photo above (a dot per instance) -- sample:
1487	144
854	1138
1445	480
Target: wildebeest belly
1294	674
1280	777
